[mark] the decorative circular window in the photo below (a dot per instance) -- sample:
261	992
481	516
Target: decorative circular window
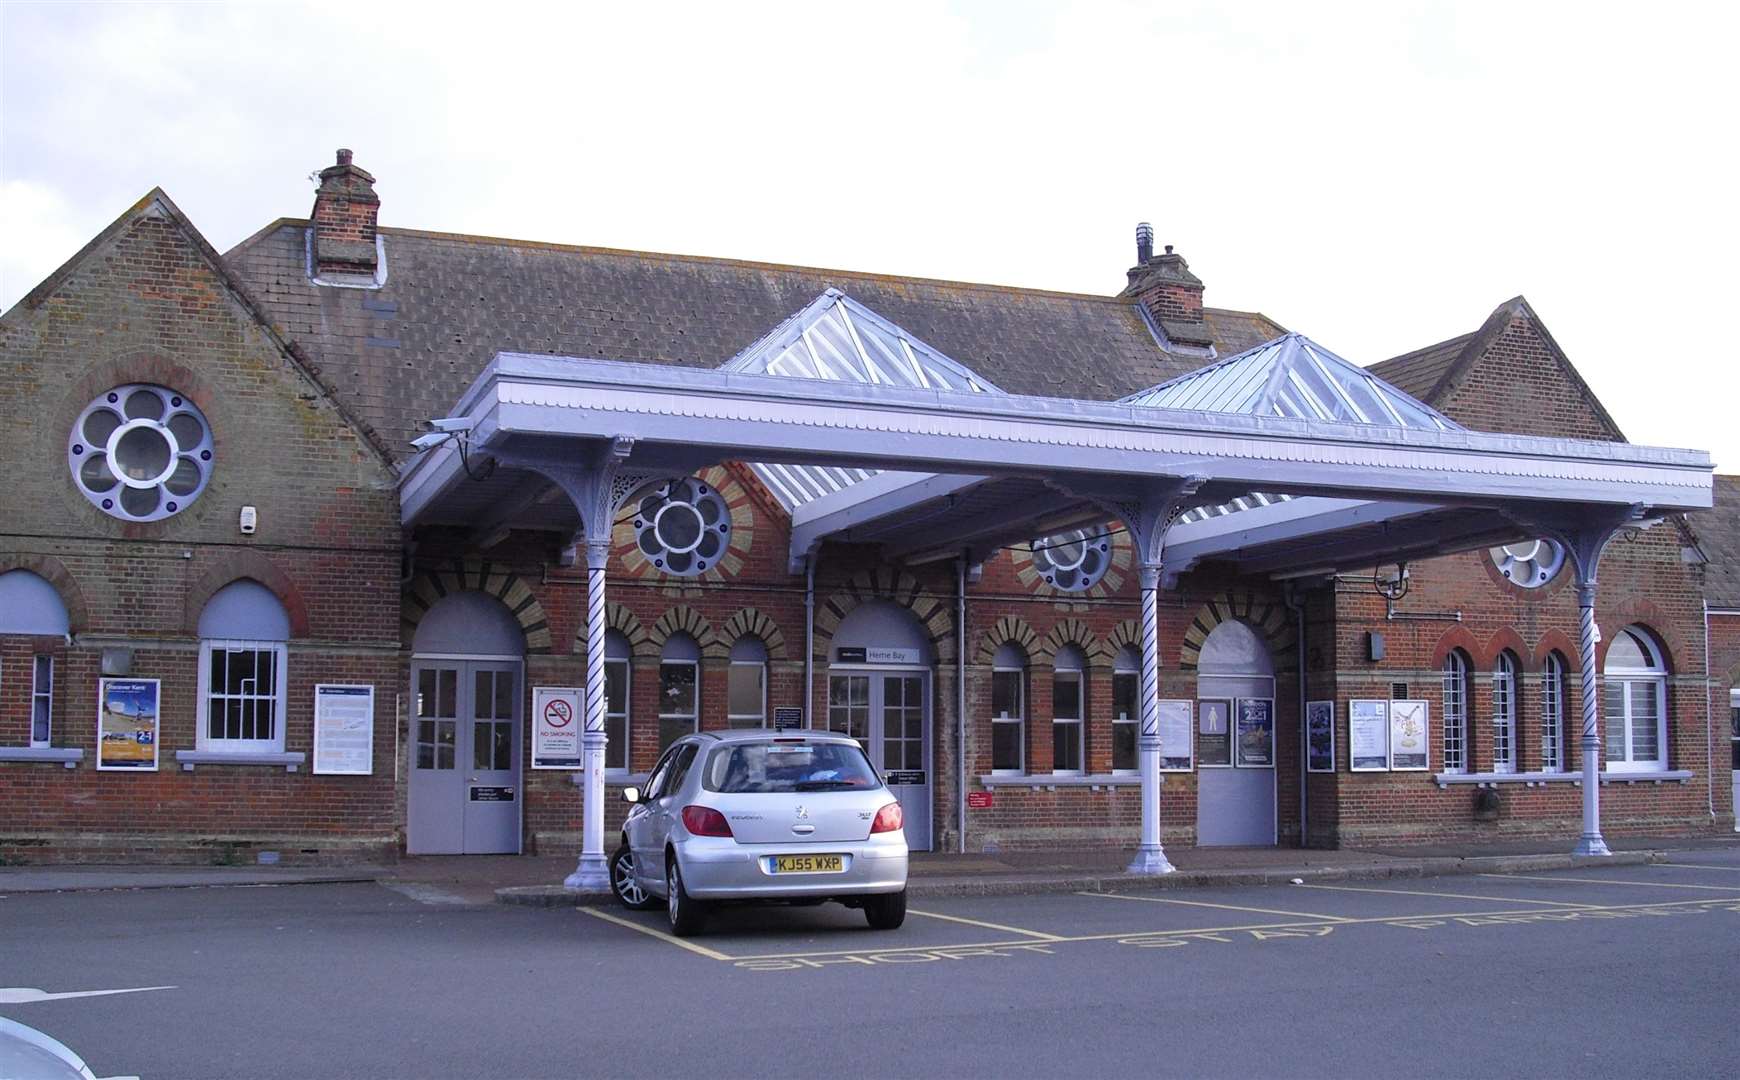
140	453
682	527
1073	560
1531	563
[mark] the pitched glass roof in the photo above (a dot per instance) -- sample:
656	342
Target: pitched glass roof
838	339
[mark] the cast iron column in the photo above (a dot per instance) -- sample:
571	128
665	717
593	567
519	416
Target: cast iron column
593	873
1590	843
1150	857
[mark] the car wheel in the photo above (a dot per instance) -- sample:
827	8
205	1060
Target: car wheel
688	915
628	891
886	911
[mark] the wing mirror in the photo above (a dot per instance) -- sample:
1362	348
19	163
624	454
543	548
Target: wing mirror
631	794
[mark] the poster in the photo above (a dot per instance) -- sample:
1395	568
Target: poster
556	722
1174	736
344	729
1368	736
1256	733
127	724
1320	736
1410	743
1214	732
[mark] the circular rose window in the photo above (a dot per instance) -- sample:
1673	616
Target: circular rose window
1530	564
1073	560
140	453
682	527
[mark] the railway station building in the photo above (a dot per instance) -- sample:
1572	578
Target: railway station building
356	541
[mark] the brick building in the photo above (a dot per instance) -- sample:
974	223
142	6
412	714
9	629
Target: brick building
228	532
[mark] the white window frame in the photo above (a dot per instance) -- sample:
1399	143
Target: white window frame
1553	714
1454	689
203	739
1625	679
1504	683
1119	718
1019	719
1079	721
1734	726
619	714
732	720
43	695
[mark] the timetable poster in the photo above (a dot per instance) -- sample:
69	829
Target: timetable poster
344	729
1175	736
1368	736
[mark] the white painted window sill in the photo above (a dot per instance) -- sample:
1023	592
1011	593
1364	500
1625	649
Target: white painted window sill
66	756
1093	781
290	762
1534	779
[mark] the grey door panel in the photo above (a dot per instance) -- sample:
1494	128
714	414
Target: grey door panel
464	791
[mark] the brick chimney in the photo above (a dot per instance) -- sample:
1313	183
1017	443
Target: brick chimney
345	210
1171	293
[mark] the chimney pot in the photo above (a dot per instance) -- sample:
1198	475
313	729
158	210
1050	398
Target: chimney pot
1144	243
1168	249
344	157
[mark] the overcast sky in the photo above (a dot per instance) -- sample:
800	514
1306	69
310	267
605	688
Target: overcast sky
1379	177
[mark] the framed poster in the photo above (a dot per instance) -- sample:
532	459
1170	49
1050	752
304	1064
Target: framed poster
1175	742
344	729
1320	736
1368	736
1214	733
1256	733
127	724
557	717
1410	741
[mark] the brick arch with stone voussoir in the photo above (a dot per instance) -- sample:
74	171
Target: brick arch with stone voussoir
1271	619
620	619
683	619
53	571
1071	631
246	565
1010	630
750	623
887	583
428	586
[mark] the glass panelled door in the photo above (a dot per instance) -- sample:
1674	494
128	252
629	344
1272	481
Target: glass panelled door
889	714
464	792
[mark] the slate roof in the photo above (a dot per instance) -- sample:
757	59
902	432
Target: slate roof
405	352
1718	531
1419	373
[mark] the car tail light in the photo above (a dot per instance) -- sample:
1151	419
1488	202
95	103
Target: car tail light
705	821
888	819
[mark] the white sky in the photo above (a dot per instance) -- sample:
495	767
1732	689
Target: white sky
1379	176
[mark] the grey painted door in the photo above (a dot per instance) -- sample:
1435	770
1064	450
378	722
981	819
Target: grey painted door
1235	806
889	714
464	792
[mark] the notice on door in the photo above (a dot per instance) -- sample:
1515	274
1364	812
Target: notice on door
556	724
344	729
1214	731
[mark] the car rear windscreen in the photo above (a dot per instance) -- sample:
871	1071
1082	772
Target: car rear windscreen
789	766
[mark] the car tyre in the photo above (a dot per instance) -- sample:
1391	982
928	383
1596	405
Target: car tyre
629	892
687	914
885	911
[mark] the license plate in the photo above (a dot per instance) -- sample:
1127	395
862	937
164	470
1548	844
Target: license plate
809	864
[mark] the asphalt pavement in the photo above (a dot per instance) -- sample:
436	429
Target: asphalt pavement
1593	971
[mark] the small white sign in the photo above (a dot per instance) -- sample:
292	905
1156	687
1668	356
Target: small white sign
878	654
1175	742
344	729
1368	735
558	717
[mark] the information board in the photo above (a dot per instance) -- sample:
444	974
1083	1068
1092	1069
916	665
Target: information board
1368	736
1256	733
127	724
557	719
1320	736
1214	733
344	729
1410	741
788	718
1175	742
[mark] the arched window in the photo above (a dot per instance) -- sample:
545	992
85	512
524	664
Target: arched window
616	747
1504	713
242	658
1456	712
29	605
1635	683
1067	710
1126	708
679	689
746	692
1553	714
1008	709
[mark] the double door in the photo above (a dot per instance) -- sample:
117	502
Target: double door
464	795
888	712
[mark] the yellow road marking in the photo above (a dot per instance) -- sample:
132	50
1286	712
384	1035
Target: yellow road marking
1448	895
699	950
986	925
1696	866
1611	881
1223	907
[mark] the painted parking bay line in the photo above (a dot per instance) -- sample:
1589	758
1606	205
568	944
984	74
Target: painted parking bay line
1615	881
1223	907
699	950
985	925
1446	895
1698	866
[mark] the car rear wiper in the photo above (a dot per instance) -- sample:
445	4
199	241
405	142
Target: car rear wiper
823	785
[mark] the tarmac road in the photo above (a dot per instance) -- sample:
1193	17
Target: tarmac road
1612	971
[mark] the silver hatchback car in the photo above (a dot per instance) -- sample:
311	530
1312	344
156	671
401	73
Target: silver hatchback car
798	816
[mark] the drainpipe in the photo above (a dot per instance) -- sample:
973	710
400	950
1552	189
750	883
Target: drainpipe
961	698
809	636
1297	604
1709	725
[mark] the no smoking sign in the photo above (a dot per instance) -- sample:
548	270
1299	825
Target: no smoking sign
558	713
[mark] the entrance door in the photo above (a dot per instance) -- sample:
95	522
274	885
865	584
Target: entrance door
889	714
464	794
1235	767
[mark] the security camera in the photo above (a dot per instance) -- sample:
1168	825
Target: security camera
452	424
429	441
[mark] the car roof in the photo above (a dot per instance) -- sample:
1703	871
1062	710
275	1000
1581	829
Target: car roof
743	735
